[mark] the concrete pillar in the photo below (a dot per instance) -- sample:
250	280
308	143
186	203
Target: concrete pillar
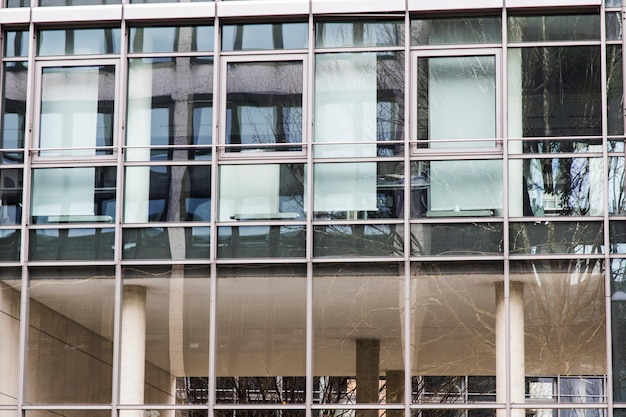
9	343
133	348
516	339
367	374
395	391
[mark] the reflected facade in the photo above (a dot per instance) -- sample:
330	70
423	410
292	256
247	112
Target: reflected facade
300	209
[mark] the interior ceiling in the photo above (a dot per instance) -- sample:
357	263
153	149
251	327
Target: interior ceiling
261	321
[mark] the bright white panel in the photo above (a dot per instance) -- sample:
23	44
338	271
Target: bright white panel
15	15
262	8
77	13
551	3
169	10
415	5
357	6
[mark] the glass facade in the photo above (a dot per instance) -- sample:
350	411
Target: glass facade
312	208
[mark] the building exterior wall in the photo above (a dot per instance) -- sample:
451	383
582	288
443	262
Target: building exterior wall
312	208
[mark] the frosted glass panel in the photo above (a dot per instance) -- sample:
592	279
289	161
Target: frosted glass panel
457	100
345	187
76	109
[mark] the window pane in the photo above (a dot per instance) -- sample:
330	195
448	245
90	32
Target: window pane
14	111
167	243
539	238
171	39
613	26
10	295
362	190
455	308
615	89
243	37
359	97
261	309
353	34
11	183
62	195
357	345
71	244
358	240
164	346
565	27
261	242
556	187
264	105
554	91
463	188
167	193
77	110
261	192
457	100
563	305
617	196
70	335
16	43
456	30
79	41
170	102
443	239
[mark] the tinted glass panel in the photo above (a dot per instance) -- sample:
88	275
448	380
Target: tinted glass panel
167	243
171	39
78	41
13	111
456	30
556	237
71	244
566	27
352	34
243	37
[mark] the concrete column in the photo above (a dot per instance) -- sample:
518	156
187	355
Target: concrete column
516	339
367	374
133	348
395	391
9	343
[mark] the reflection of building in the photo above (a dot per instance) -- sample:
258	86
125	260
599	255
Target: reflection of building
312	208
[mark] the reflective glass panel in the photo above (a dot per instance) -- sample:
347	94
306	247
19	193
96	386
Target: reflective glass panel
355	34
10	295
615	89
618	330
11	184
554	91
170	39
359	97
162	193
164	346
458	239
454	311
70	195
457	101
17	3
252	36
261	192
71	244
170	102
617	236
556	187
456	30
79	41
562	309
10	240
358	190
613	26
357	345
462	188
16	43
13	111
261	321
540	238
580	412
261	241
70	335
563	27
167	243
358	240
617	192
77	110
554	146
264	105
